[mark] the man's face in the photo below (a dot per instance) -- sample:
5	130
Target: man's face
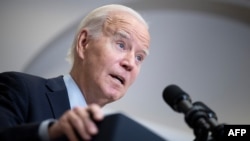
113	61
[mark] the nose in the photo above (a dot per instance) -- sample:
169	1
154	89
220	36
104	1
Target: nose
128	62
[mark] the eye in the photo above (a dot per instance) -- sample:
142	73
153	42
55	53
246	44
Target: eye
139	58
121	45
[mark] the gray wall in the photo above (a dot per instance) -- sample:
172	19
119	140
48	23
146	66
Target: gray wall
203	47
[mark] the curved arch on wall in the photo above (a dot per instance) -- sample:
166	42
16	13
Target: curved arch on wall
44	61
52	57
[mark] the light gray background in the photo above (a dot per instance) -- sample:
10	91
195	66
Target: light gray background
201	45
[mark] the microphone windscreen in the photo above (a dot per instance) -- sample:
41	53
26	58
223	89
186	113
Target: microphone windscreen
173	94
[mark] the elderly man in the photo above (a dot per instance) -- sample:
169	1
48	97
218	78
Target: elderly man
109	47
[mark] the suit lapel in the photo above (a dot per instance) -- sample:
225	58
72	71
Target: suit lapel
58	96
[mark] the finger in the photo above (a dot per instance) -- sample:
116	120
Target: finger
66	126
77	121
89	126
96	112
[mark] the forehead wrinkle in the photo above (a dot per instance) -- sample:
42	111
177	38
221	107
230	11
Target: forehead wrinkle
118	26
123	34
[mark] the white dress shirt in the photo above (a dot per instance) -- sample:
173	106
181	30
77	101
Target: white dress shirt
76	98
75	95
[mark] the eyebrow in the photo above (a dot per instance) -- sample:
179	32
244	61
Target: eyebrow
125	35
122	34
146	52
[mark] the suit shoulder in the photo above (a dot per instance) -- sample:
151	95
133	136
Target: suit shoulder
28	79
18	75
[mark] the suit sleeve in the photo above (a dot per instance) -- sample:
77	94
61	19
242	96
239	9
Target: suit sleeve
14	110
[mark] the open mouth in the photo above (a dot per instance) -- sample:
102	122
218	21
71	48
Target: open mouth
119	78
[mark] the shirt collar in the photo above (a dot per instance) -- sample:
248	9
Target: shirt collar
76	97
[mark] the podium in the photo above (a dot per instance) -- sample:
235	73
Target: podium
119	127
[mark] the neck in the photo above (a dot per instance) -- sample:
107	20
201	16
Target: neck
90	98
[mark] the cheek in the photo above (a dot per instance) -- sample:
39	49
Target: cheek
134	75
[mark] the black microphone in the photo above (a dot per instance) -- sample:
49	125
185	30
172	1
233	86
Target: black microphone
197	115
177	99
181	102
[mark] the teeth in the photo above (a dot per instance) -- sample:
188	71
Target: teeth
118	78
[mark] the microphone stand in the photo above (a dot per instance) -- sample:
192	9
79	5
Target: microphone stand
204	122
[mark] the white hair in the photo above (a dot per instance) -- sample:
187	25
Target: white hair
95	19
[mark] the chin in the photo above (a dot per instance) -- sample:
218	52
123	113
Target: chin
113	96
112	93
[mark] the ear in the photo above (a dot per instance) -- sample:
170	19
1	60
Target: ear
82	43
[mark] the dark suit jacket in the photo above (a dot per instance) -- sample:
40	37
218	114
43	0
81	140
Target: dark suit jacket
27	100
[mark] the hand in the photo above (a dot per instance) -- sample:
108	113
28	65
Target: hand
77	121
